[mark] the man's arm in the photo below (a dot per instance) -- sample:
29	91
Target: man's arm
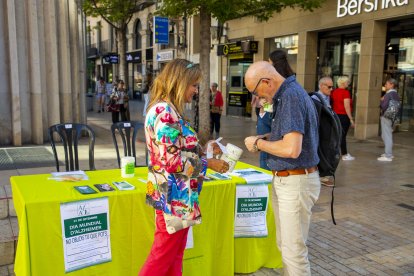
289	147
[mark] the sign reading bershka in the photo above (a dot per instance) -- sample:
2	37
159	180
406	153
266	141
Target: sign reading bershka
353	7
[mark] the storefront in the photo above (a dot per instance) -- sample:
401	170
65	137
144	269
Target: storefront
107	61
239	56
369	41
135	69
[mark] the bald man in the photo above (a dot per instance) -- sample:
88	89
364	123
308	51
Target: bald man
292	148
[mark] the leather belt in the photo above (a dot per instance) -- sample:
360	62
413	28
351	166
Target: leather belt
285	173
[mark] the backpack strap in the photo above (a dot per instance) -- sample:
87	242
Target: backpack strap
332	202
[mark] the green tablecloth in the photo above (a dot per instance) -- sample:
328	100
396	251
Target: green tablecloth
40	252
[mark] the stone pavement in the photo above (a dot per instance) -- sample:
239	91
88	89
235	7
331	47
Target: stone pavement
374	203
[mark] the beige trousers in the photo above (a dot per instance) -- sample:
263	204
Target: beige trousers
293	198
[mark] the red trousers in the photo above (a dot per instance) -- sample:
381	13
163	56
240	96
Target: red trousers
166	256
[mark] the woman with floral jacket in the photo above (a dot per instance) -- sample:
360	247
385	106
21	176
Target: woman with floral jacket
176	168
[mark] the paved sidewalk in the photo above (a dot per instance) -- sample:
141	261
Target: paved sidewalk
374	201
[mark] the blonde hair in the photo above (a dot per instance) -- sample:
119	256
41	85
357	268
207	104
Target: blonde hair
172	83
342	81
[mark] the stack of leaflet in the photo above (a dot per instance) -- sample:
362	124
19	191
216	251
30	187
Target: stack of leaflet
72	176
253	176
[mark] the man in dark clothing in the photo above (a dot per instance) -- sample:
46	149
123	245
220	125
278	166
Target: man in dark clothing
292	146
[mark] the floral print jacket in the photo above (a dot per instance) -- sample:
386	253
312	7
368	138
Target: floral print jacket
175	170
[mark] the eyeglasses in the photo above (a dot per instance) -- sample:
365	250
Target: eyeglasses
254	92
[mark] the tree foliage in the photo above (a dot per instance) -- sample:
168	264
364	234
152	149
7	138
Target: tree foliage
223	10
116	13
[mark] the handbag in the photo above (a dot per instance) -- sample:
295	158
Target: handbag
112	106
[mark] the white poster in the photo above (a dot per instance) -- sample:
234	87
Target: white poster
190	239
85	233
251	208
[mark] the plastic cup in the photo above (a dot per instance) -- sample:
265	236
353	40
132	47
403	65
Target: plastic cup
232	156
127	166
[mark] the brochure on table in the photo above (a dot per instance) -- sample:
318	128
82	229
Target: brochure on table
253	176
251	204
85	233
72	176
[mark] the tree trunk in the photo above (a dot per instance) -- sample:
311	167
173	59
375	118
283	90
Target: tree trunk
204	93
123	67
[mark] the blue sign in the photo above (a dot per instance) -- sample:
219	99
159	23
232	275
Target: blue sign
110	58
161	33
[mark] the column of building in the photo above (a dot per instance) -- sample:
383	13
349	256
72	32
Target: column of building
44	80
371	67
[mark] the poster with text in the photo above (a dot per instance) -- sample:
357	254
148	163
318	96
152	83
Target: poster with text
85	233
251	208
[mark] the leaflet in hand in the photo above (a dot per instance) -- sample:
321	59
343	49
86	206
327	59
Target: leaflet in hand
253	176
123	185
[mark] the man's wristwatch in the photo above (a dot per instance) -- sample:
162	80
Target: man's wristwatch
255	148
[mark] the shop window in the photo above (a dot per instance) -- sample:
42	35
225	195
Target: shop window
287	43
338	55
171	38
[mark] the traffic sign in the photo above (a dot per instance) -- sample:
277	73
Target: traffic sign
161	34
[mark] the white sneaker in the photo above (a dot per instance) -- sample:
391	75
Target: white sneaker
383	155
348	157
384	158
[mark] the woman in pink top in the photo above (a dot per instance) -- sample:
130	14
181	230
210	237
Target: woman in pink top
342	105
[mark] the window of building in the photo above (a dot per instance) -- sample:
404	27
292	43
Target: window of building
89	34
171	38
126	39
288	43
99	34
137	34
150	34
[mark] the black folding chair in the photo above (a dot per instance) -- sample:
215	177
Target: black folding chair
128	131
70	134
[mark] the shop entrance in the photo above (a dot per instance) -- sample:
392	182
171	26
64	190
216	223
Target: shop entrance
239	99
338	55
399	64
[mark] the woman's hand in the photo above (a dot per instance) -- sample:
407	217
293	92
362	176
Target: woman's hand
352	123
217	165
216	148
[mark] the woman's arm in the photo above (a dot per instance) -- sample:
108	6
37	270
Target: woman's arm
347	105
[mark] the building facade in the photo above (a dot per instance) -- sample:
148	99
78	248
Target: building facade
42	61
369	41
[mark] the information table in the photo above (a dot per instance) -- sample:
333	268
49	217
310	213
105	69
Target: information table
37	202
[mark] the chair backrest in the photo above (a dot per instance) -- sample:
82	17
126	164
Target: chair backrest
70	133
128	131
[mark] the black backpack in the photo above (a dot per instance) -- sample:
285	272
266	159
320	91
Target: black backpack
329	149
